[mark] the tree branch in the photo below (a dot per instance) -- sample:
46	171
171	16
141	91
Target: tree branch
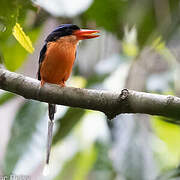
111	103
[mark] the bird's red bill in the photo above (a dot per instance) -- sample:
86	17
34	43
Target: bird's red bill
86	34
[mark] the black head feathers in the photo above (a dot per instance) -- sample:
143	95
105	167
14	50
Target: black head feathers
60	31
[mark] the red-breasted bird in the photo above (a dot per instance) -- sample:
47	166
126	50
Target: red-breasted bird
56	61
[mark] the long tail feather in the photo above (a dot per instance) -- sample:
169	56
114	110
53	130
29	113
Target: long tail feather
52	111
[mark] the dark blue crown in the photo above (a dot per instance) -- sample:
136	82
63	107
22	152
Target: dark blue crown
60	31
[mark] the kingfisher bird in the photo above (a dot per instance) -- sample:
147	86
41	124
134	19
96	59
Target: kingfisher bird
56	61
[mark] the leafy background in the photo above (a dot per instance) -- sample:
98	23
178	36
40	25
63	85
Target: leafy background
138	49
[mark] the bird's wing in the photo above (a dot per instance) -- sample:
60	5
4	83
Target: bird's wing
41	58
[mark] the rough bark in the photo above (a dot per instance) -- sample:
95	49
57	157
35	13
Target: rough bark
111	103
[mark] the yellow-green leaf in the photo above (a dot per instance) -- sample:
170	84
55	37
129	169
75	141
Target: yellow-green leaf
169	134
129	45
158	44
22	38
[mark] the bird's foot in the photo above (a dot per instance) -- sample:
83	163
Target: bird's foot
42	83
62	84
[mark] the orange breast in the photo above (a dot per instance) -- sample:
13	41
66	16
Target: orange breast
59	59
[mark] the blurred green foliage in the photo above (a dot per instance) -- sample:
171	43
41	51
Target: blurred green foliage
172	174
24	126
103	168
79	165
154	23
11	45
67	122
10	13
114	15
5	97
169	133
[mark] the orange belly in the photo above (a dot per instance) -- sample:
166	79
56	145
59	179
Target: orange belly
57	65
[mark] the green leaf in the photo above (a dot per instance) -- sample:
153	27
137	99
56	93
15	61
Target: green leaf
85	162
22	38
96	79
171	174
79	165
26	120
1	58
158	44
5	97
169	133
114	15
129	44
16	58
108	14
70	119
103	168
10	13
